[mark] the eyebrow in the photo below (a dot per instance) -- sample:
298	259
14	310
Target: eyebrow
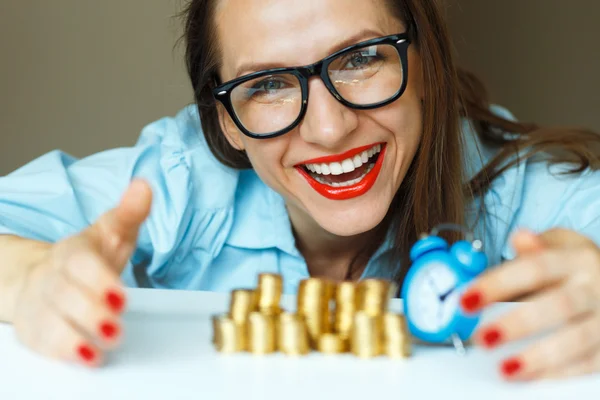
363	35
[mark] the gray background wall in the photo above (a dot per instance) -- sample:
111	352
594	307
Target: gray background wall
87	75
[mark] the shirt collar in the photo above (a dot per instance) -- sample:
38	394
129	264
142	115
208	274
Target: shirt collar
261	219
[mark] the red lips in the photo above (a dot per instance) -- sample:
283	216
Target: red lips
339	157
346	192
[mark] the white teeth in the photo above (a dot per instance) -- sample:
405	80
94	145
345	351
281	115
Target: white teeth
336	168
348	165
347	183
364	157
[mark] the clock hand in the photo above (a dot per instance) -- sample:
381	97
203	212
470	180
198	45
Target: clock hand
445	295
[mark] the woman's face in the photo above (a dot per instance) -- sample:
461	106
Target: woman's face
265	34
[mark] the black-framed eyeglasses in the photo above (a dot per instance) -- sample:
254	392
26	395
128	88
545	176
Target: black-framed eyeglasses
363	76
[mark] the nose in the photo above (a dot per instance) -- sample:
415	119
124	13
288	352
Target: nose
327	121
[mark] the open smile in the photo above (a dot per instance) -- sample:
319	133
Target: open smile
347	175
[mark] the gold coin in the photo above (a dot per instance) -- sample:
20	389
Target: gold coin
313	305
261	333
292	335
345	306
345	294
373	295
397	340
228	337
330	343
366	340
243	302
270	289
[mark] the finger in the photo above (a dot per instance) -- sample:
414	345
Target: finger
525	241
94	276
588	364
520	276
52	336
559	237
539	313
570	344
117	230
85	313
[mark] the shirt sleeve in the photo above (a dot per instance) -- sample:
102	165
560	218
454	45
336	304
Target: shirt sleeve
551	199
58	195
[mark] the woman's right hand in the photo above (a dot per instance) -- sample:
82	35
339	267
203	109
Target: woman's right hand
70	305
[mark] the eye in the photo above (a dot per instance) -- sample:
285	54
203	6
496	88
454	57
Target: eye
358	60
361	59
268	85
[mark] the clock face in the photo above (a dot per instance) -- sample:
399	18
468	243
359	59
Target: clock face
432	297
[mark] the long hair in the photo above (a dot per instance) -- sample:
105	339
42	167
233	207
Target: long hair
435	189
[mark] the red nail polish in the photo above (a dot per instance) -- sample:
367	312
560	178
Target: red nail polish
470	302
115	301
109	330
86	353
491	337
511	367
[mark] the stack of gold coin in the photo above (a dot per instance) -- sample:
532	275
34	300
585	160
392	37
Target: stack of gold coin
397	343
228	335
292	335
345	307
314	296
367	335
242	303
332	343
270	288
373	295
261	333
330	318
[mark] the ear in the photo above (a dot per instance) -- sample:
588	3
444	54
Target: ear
230	130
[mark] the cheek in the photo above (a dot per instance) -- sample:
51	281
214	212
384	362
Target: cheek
403	119
266	158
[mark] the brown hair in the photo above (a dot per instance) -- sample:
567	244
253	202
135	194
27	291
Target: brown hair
441	194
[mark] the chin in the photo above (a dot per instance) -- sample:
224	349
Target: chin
343	220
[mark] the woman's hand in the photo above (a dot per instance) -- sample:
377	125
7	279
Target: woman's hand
559	271
70	305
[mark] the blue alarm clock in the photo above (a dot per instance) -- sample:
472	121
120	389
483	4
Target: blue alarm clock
434	284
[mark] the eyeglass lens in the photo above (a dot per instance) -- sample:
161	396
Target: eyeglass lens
363	77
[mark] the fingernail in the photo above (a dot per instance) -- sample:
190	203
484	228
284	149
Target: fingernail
471	301
491	337
86	353
109	330
115	301
511	366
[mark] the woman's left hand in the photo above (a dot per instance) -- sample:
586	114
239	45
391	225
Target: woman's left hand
559	270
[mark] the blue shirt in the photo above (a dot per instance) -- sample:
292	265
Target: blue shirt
215	228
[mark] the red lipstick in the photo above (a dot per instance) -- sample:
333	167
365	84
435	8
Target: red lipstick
346	192
339	157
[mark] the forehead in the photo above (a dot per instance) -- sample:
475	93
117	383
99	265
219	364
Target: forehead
294	32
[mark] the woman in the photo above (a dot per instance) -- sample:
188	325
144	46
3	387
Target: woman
391	142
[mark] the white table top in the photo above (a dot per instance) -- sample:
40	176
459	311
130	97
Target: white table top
167	354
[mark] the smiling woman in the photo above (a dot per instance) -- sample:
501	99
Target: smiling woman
326	137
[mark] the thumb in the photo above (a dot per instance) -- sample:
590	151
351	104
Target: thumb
525	241
560	237
117	230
